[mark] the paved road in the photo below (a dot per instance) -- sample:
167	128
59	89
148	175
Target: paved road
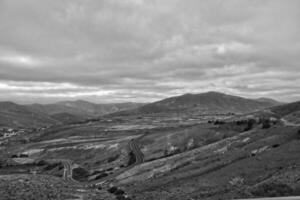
139	158
68	172
133	147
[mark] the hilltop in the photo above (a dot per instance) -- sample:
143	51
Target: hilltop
203	103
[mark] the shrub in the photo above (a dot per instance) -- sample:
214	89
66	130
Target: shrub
273	190
112	189
119	192
113	158
250	124
102	175
52	166
266	124
132	158
217	122
240	122
41	163
121	197
80	174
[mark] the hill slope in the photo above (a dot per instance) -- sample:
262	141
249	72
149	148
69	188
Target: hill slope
83	109
268	100
204	103
14	115
38	115
286	109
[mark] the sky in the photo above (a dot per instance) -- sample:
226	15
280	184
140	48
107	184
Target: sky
146	50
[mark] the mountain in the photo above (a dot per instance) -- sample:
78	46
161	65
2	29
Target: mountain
14	115
286	109
67	118
83	109
204	103
268	100
39	115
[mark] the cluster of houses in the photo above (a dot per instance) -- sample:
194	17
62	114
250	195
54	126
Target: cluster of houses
9	132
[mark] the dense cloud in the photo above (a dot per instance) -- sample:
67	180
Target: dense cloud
145	50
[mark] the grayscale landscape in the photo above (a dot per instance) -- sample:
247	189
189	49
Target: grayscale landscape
149	100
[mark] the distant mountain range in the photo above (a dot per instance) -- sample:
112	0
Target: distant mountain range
14	115
39	115
268	100
204	103
83	109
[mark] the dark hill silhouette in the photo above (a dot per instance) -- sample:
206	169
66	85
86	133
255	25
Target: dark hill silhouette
14	115
204	103
39	115
286	109
83	109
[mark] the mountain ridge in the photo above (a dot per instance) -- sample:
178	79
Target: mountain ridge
208	102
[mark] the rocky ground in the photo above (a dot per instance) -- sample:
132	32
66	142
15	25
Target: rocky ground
43	187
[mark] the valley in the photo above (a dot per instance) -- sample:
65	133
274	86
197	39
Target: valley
174	153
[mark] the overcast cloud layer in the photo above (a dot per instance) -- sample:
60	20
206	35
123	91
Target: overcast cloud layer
146	50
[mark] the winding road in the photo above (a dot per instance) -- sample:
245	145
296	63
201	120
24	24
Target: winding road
68	172
133	147
139	158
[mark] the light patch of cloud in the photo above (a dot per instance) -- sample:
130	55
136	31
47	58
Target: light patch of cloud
137	50
232	47
20	60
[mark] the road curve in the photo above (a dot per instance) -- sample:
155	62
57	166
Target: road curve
139	158
133	147
68	172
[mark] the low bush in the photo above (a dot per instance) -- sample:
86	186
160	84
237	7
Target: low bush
102	175
52	166
80	174
266	124
273	190
112	189
113	158
119	192
218	122
41	163
298	134
132	159
250	124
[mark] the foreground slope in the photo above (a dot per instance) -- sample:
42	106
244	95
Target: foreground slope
220	161
252	155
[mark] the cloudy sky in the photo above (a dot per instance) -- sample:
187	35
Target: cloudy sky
145	50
